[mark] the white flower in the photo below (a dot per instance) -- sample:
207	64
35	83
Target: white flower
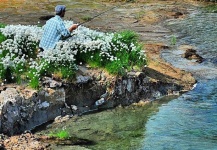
22	39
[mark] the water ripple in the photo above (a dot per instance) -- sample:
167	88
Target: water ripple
189	122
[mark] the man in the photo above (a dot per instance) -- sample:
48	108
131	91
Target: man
55	29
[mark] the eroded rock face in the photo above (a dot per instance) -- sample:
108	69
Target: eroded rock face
136	86
19	114
24	109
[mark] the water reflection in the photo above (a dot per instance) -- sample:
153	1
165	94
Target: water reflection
120	128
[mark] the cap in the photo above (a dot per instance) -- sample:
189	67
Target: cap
60	8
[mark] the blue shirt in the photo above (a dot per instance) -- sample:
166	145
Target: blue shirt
54	29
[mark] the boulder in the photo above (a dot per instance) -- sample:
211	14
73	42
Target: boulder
19	114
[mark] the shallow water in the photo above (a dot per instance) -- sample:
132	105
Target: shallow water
189	122
199	31
115	129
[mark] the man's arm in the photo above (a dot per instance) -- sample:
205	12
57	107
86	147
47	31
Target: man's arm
73	27
63	30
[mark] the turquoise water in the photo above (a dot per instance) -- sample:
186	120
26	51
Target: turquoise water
186	123
190	121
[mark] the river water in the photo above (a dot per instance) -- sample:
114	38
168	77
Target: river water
189	122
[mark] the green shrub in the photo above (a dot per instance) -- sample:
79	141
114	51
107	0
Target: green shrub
128	56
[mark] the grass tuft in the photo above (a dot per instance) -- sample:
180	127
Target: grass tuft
62	134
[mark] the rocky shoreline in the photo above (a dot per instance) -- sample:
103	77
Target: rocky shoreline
23	109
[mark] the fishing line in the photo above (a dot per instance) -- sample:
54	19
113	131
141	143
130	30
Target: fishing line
89	20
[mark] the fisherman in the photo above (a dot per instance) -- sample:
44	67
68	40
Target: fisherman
55	30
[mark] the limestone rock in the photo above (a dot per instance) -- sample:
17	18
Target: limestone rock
19	114
49	82
83	79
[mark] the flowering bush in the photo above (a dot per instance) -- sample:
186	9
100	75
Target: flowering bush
18	50
20	59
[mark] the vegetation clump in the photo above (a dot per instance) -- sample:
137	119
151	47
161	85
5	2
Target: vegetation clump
62	134
20	60
211	8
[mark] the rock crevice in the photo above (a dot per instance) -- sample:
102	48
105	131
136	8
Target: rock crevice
24	109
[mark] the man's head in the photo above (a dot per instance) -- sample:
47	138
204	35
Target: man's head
60	10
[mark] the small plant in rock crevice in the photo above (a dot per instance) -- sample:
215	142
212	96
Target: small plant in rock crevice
173	40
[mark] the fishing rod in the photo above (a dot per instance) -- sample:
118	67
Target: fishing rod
90	19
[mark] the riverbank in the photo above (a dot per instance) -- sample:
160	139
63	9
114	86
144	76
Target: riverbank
157	68
143	17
